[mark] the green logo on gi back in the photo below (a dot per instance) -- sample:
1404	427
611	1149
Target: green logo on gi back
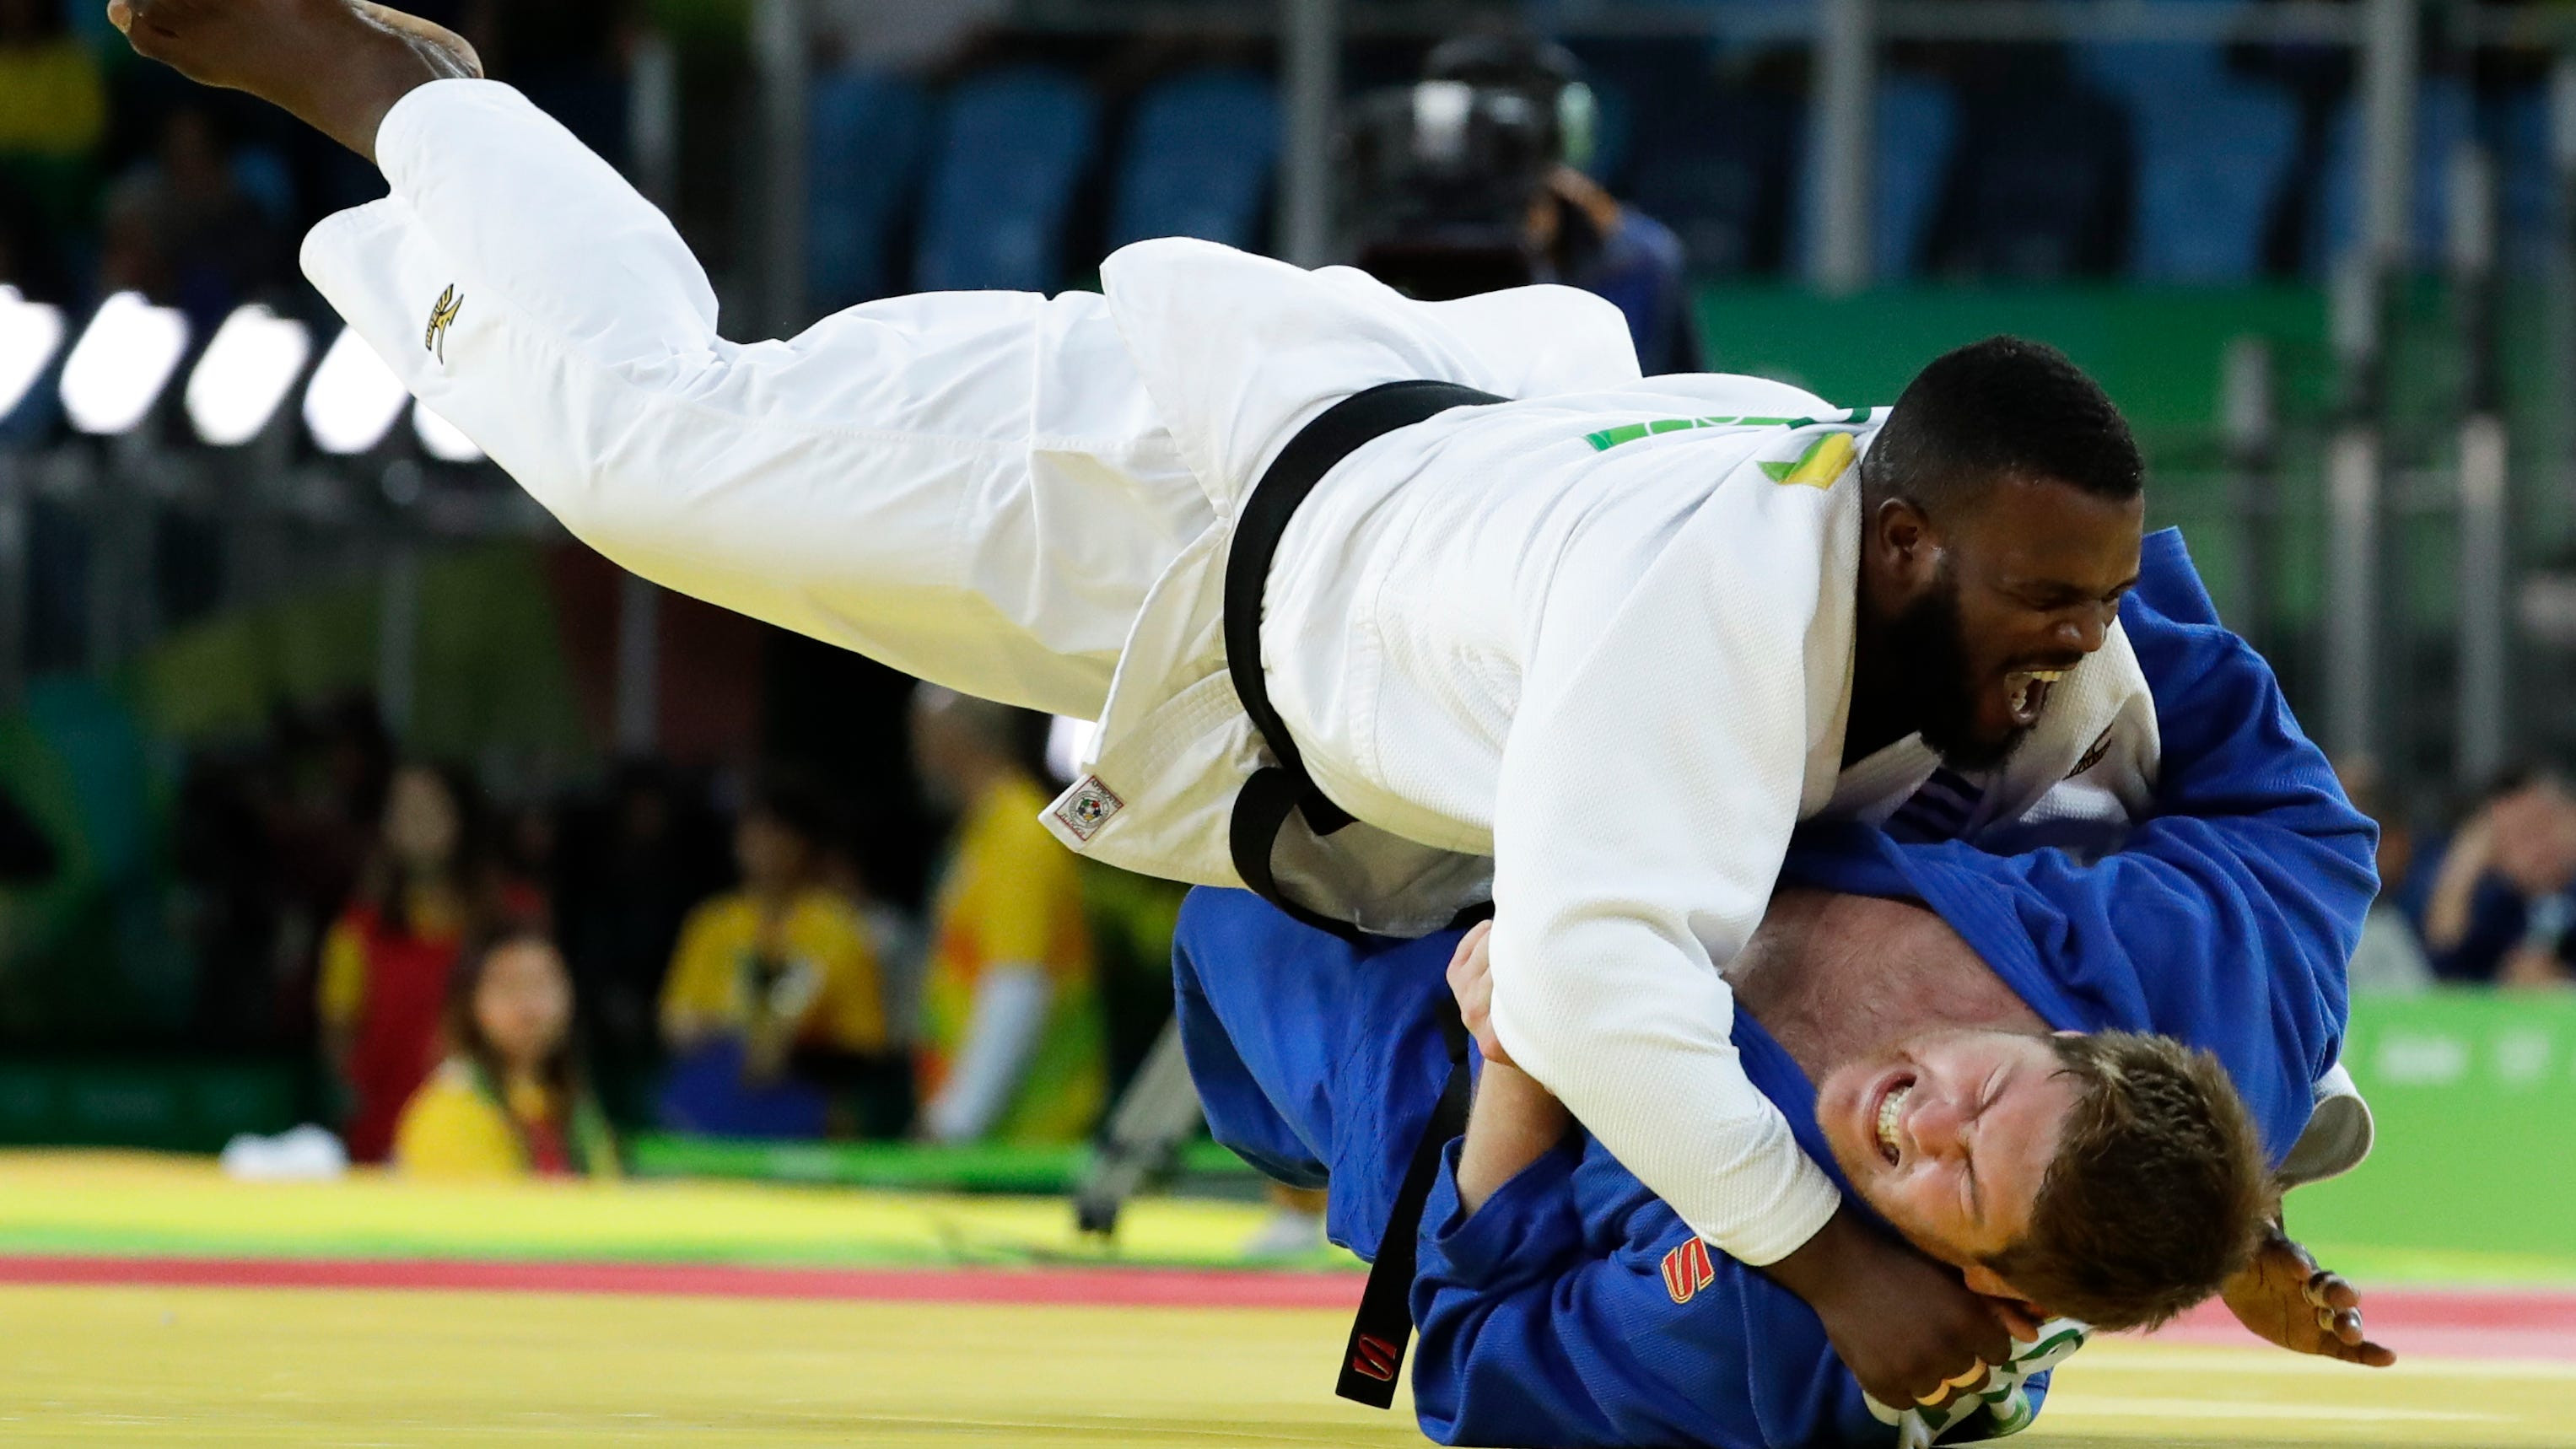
1818	467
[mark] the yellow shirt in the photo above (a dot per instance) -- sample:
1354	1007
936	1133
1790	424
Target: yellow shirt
451	1129
53	101
1012	895
820	959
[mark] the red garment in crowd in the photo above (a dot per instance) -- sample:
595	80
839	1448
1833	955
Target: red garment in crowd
397	1043
549	1154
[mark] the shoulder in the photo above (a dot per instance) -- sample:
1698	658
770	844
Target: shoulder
450	1127
719	914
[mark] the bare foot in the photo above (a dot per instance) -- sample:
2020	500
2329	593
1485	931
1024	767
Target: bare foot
337	65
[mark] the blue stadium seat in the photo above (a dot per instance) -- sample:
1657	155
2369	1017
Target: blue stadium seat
2212	165
1198	160
2148	73
2516	124
866	133
2444	118
1010	149
1917	126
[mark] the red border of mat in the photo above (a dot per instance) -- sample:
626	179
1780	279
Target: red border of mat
2444	1322
1104	1286
2436	1322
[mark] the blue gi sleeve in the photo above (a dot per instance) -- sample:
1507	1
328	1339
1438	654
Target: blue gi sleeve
1540	1328
1492	1367
2225	919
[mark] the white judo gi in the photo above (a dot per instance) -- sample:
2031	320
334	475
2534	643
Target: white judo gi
1589	651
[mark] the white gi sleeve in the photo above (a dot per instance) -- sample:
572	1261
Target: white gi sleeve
1648	789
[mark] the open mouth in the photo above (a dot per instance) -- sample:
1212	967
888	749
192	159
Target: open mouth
2026	691
1891	1108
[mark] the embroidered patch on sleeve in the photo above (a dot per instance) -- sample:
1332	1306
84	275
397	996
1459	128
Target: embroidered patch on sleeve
442	315
1687	1270
1087	806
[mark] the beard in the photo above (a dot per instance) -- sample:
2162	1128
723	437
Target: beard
1927	645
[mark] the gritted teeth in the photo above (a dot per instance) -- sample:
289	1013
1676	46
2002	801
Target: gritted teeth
1890	1108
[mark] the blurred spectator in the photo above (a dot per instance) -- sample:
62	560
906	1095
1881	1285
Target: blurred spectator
774	1003
53	114
53	98
386	961
182	229
510	1100
2388	957
271	840
1013	1045
1589	238
630	866
2495	905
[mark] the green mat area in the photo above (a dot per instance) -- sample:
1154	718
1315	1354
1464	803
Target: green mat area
1051	1171
151	1205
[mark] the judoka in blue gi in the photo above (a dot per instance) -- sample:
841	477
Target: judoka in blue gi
1563	1304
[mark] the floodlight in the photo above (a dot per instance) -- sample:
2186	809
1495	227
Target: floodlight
120	365
443	439
246	374
29	334
355	399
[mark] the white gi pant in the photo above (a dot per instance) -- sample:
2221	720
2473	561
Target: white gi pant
970	487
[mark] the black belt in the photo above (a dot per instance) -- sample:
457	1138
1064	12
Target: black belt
1262	807
1384	1324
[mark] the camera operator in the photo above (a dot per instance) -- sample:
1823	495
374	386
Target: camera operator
1470	181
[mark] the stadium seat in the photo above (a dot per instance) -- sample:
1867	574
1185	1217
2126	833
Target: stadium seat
866	139
2143	73
1918	128
1198	160
2444	118
1009	151
1917	125
2516	124
2213	155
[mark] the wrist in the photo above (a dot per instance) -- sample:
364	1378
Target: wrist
1818	1268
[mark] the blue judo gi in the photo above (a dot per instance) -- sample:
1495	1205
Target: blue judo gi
1574	1308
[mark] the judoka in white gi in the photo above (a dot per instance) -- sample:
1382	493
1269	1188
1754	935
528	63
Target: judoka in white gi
1589	654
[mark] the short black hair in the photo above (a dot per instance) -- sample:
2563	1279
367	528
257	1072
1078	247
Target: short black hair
2003	408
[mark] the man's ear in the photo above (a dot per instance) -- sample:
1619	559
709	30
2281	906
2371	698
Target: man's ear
1902	537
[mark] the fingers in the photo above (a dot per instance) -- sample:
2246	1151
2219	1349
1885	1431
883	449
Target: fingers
121	15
